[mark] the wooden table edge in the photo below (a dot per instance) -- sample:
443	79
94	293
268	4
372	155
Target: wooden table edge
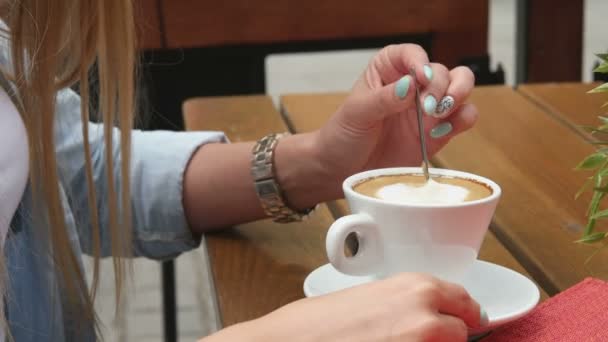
219	320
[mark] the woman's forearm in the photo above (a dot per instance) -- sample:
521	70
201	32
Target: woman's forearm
219	189
245	332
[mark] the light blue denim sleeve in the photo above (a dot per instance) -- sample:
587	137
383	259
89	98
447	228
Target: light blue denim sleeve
159	159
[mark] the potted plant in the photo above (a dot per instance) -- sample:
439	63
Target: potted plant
598	163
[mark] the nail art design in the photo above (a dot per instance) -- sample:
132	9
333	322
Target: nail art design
428	72
441	130
402	86
446	103
430	104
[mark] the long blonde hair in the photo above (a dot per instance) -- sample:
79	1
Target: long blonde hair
54	44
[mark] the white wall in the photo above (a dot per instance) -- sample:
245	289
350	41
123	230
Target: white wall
596	34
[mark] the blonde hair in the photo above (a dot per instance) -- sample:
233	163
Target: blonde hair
54	44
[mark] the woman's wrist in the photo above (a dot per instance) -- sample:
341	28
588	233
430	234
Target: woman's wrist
221	193
305	181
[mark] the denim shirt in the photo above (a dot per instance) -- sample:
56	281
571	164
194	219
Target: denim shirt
35	301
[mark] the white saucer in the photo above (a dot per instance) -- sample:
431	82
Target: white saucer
505	294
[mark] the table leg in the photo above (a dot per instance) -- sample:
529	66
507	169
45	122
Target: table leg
169	302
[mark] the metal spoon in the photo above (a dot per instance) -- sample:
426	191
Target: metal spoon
425	157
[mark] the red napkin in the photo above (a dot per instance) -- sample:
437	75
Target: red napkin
578	314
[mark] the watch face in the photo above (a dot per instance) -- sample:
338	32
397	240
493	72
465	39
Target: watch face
267	188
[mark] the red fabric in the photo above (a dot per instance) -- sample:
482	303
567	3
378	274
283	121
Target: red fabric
578	314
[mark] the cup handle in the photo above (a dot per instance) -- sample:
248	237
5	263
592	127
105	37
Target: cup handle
369	255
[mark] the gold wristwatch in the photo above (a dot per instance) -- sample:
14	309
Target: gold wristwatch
266	186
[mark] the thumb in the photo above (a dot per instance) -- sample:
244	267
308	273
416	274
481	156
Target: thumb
365	108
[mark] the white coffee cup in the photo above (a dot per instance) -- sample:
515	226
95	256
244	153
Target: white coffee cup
439	239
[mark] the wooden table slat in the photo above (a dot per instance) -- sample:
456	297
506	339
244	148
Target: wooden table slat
568	102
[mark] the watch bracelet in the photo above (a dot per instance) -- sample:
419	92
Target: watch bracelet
267	188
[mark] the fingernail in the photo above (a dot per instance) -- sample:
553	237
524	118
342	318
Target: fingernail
430	104
446	103
483	317
441	130
403	85
428	72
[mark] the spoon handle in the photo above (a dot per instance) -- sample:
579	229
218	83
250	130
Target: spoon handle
421	134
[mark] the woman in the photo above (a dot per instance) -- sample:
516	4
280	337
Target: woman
73	187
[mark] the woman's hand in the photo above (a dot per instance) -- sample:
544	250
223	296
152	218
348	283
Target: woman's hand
377	125
407	307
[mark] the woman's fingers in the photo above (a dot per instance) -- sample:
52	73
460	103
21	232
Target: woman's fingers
460	86
436	88
462	119
366	108
456	301
395	61
449	329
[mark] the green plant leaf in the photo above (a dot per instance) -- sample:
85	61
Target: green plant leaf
592	161
594	204
597	161
599	89
596	131
598	142
597	196
603	68
600	214
592	129
583	188
589	129
603	189
592	238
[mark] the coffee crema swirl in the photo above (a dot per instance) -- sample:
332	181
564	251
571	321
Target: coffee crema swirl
414	189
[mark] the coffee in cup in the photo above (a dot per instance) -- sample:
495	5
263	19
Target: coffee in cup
414	188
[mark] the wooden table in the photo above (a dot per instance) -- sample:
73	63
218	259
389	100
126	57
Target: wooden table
526	140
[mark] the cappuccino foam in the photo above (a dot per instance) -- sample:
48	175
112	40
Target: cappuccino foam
414	189
430	192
